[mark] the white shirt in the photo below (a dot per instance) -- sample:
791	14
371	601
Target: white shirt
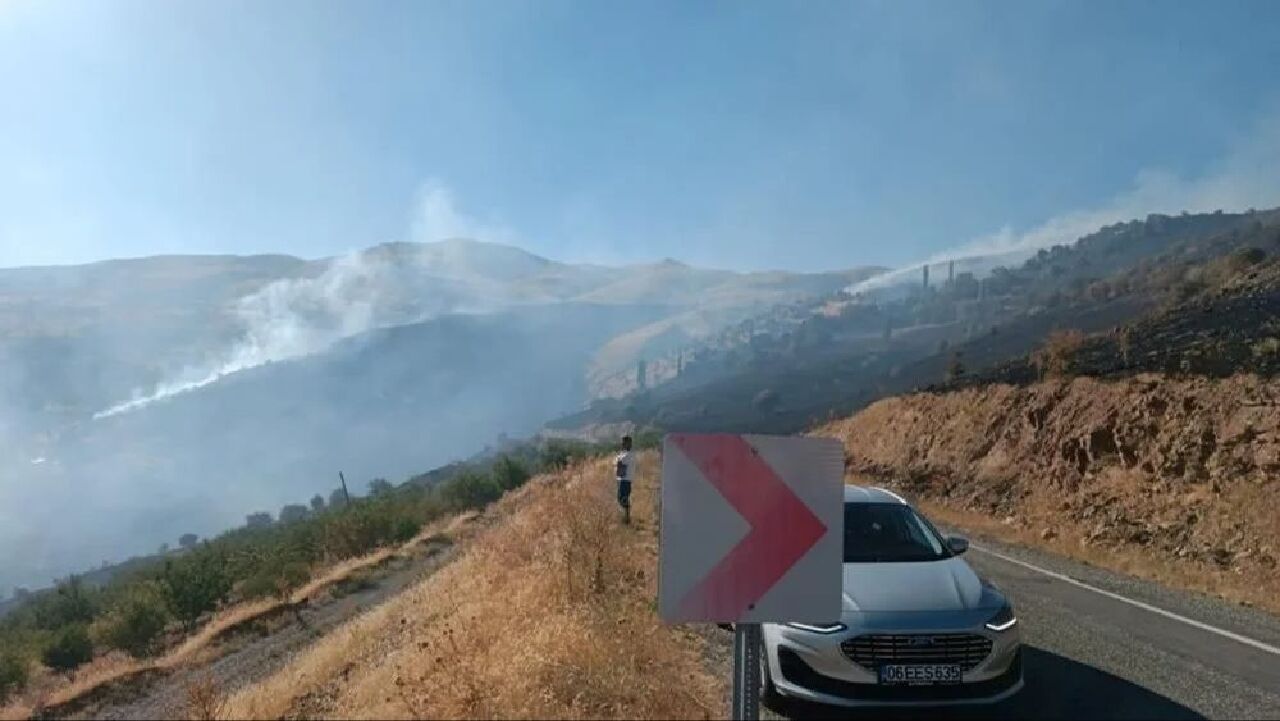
624	465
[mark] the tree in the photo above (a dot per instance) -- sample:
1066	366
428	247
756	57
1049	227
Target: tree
70	648
293	513
470	489
134	624
509	473
13	673
188	541
72	602
194	585
261	519
1055	358
380	487
317	503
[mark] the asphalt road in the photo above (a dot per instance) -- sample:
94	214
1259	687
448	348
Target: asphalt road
1089	654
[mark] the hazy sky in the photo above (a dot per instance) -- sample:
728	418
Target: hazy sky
740	134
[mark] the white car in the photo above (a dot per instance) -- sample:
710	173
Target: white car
918	626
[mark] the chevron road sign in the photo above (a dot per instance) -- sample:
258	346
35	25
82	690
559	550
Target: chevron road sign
752	528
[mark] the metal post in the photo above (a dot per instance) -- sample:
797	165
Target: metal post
746	672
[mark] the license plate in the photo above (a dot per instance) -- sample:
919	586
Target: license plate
920	675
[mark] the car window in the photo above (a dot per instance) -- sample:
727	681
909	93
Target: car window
889	532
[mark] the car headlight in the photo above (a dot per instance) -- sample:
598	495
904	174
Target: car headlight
818	627
1003	620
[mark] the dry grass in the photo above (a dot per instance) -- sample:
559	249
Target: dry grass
547	614
115	668
204	700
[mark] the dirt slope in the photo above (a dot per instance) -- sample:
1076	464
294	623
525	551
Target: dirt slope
1174	479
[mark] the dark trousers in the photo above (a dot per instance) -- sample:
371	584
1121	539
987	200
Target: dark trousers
624	493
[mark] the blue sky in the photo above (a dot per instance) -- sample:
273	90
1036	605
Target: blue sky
738	134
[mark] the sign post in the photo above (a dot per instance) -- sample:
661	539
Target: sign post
746	672
752	530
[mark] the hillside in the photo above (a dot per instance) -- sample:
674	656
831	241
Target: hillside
1163	477
546	614
385	404
783	370
180	393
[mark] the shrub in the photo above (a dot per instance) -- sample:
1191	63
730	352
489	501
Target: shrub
13	673
1055	357
134	624
557	454
194	585
470	489
279	578
72	602
404	528
70	648
509	473
1266	347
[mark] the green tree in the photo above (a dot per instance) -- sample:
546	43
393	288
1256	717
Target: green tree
135	623
71	602
70	649
470	489
13	673
509	473
194	585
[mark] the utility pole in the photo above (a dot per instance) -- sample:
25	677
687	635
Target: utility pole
345	493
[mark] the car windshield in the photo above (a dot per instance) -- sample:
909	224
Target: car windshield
888	533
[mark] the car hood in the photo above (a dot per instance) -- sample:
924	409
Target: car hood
946	585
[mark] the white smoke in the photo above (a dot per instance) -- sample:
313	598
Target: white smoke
1247	177
355	293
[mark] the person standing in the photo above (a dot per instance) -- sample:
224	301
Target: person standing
624	470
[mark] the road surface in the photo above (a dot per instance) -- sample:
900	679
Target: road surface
1103	645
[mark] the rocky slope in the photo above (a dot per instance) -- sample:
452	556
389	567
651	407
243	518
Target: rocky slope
1180	471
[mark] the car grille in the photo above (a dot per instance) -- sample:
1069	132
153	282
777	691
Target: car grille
966	649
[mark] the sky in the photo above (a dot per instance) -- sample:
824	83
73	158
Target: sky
733	134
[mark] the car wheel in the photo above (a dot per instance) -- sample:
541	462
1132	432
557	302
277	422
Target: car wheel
769	695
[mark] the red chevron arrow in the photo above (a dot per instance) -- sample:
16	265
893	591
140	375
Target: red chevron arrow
783	528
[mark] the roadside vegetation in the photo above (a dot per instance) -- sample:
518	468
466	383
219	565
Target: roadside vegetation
548	613
153	606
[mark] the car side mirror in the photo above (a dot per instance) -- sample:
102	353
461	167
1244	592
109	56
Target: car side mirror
957	544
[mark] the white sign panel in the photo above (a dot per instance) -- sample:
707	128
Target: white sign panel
752	528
